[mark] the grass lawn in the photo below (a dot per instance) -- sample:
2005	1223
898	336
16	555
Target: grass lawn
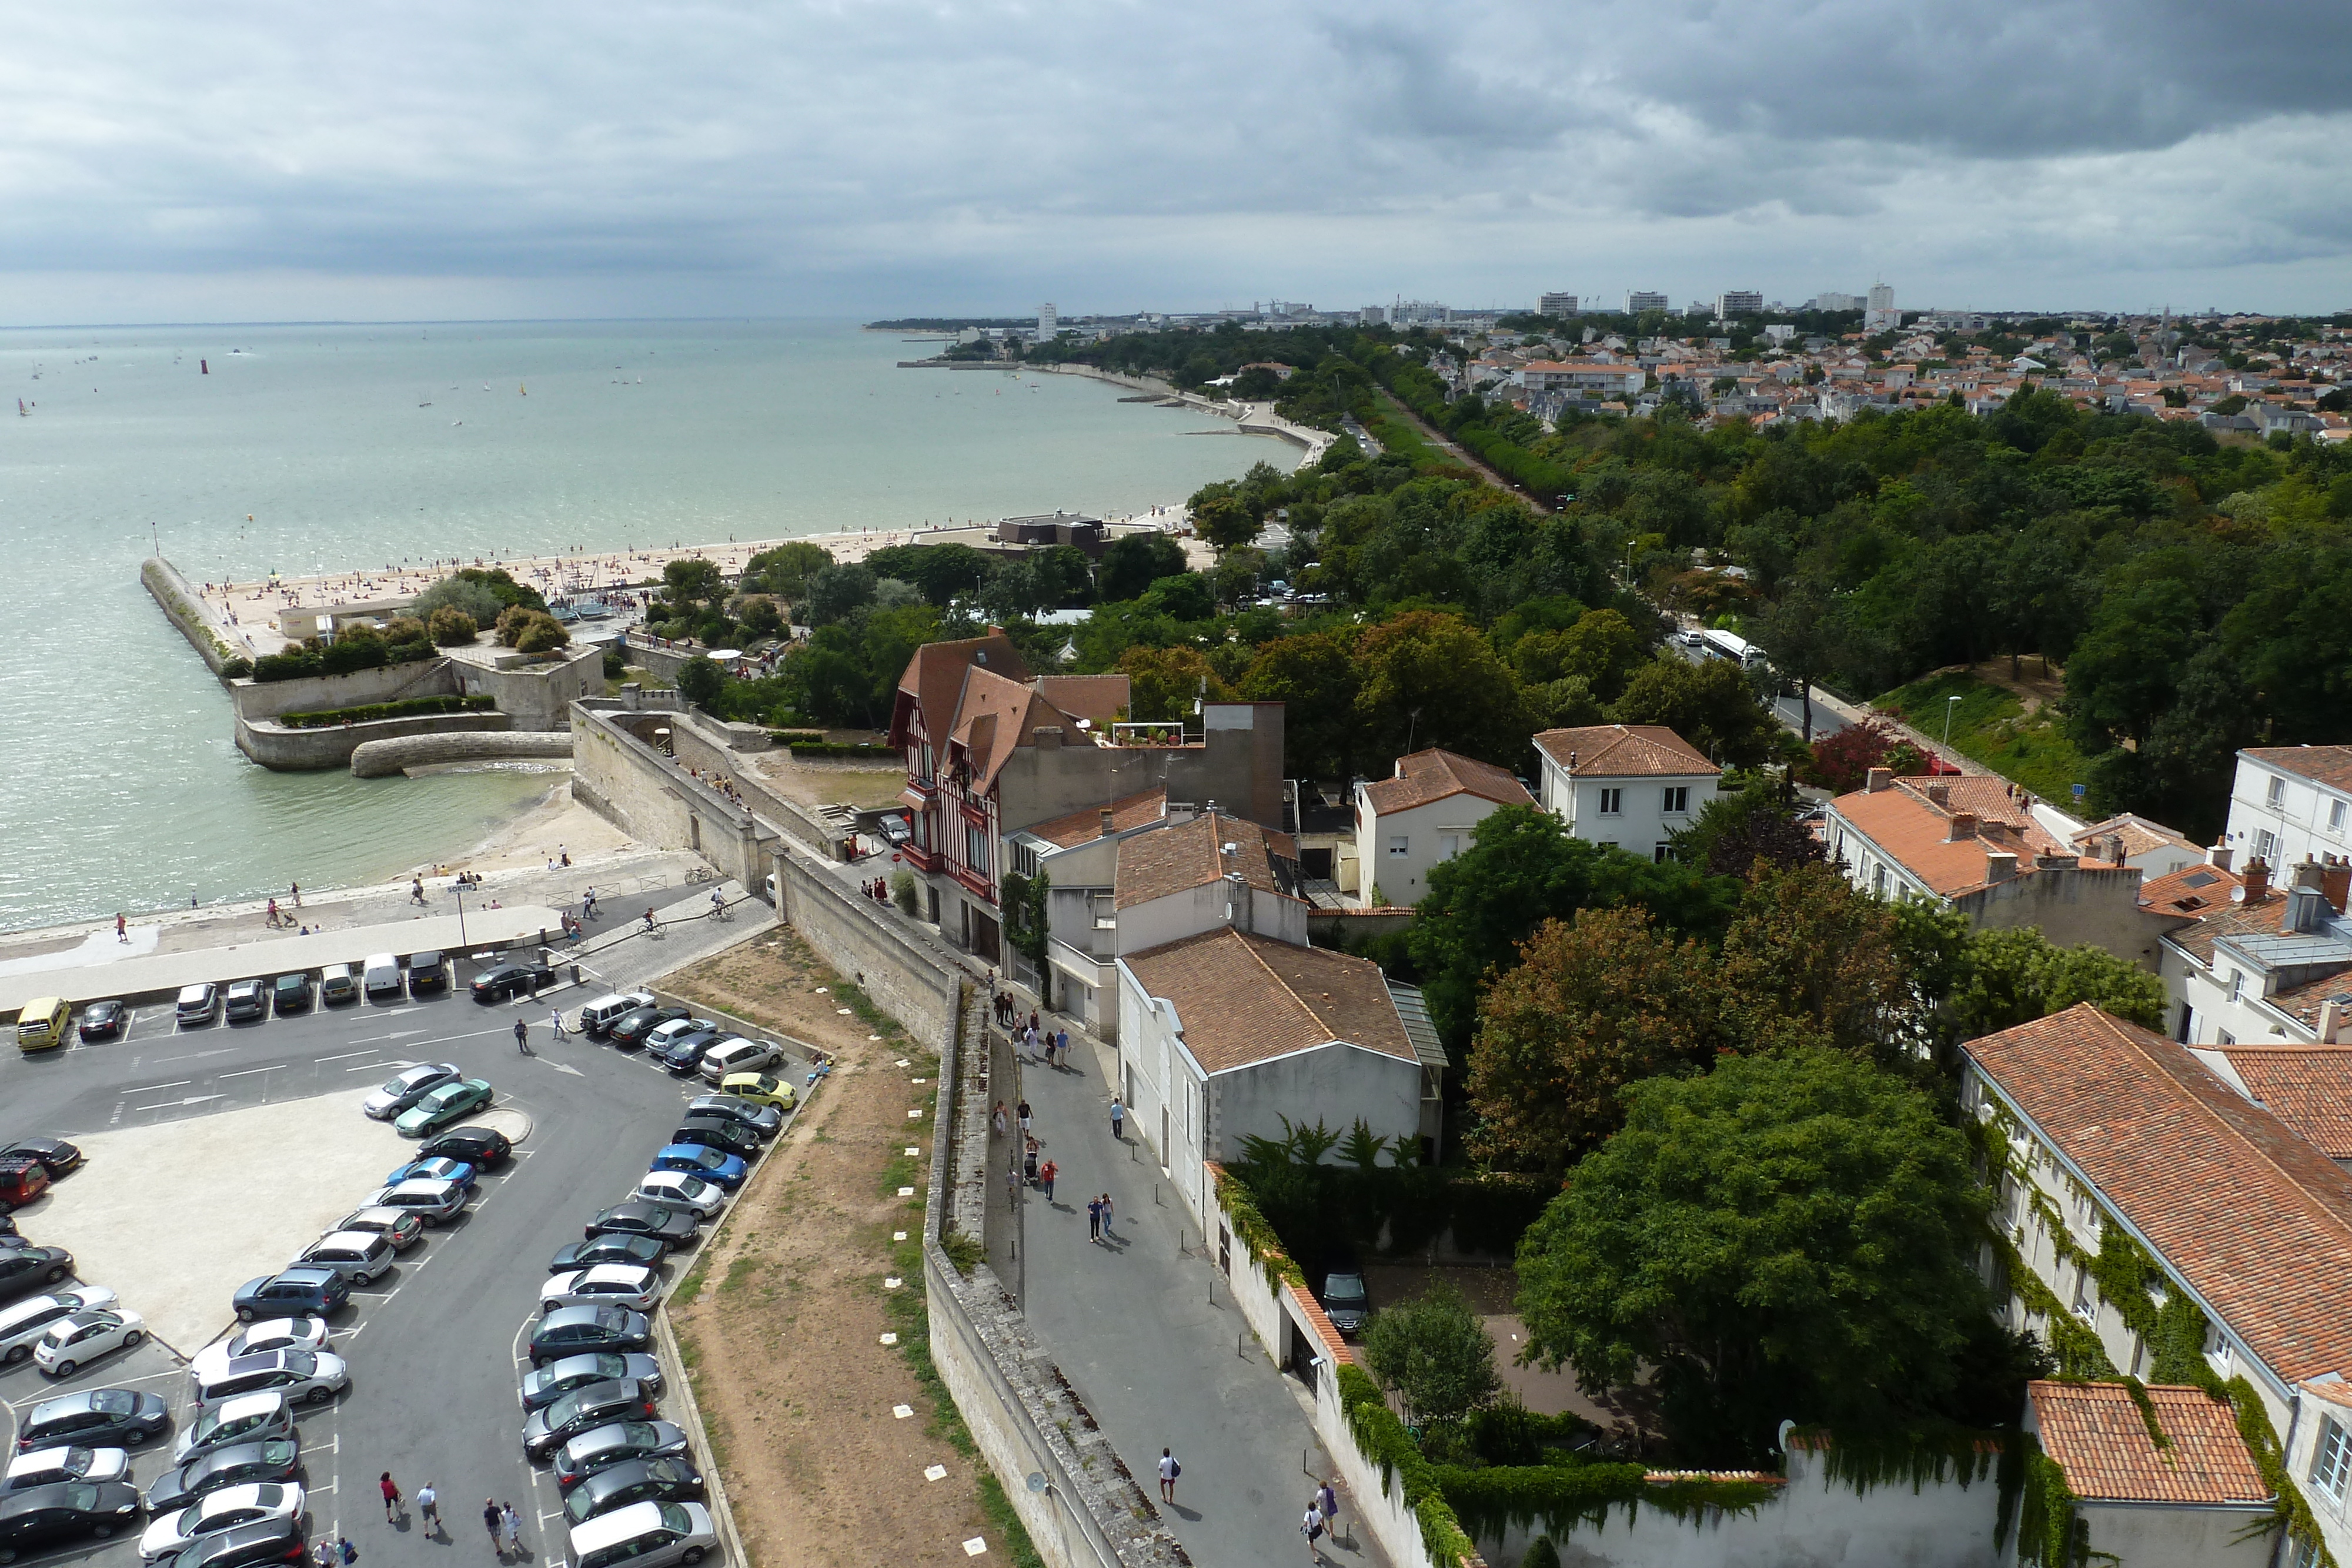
1991	726
1398	434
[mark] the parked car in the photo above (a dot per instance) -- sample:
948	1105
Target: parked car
397	1226
760	1089
290	994
103	1020
736	1054
675	1189
543	1386
1345	1302
28	1269
583	1409
265	1541
338	985
484	1149
382	981
702	1160
407	1087
64	1510
721	1132
58	1157
512	980
94	1418
46	1467
443	1106
247	1000
428	973
272	1460
247	1502
296	1376
434	1202
633	1481
438	1168
269	1334
645	1535
197	1004
250	1419
668	1034
300	1291
73	1342
682	1053
41	1024
22	1180
644	1251
630	1029
626	1285
765	1120
23	1324
597	1018
605	1447
674	1225
578	1330
359	1256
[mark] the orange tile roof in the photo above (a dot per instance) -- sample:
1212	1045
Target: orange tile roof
1430	775
1625	751
2308	1087
1245	998
1100	699
2329	765
1127	811
1910	828
2197	890
1191	854
993	717
2257	1221
934	677
2096	1435
2139	836
2226	918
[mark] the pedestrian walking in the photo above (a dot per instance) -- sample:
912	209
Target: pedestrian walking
391	1497
997	1118
415	890
1312	1527
1062	1045
555	1025
1046	1179
1107	1213
522	1037
294	892
1169	1470
1327	1503
121	929
350	1552
512	1523
1094	1219
428	1508
1025	1118
1029	1160
490	1523
272	920
323	1556
1117	1120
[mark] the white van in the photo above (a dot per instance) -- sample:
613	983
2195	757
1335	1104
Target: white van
605	1011
645	1535
383	972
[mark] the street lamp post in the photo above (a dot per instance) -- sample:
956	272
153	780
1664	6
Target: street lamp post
458	888
1950	703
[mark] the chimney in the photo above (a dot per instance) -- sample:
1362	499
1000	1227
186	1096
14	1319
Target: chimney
1964	826
2335	881
1237	900
1940	795
1106	829
2218	857
2000	866
2115	849
2258	880
2331	1019
1877	780
2056	861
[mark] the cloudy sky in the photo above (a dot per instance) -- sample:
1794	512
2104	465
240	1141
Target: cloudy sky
527	158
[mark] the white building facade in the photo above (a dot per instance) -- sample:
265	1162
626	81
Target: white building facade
1628	787
2290	802
1421	817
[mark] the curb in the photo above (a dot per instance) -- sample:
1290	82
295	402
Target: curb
723	1513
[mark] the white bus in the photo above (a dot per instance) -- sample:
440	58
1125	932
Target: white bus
1729	646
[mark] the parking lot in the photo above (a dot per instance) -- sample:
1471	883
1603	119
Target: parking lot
216	1150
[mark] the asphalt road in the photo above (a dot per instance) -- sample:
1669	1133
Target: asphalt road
432	1346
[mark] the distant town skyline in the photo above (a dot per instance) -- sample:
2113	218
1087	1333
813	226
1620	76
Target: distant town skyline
532	160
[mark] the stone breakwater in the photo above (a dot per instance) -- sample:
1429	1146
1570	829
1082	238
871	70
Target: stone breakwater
378	758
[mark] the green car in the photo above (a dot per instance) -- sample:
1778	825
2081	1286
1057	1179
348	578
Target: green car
443	1106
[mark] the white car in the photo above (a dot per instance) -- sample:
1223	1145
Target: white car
22	1324
295	1377
406	1088
254	1503
434	1202
46	1467
254	1418
736	1054
270	1333
626	1285
679	1190
662	1039
76	1340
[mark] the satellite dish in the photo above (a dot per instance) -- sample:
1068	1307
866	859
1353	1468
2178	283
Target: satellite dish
1036	1481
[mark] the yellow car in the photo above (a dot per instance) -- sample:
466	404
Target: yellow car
760	1089
42	1025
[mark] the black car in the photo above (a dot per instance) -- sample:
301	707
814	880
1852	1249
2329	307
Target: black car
633	1481
583	1410
765	1120
244	1546
275	1460
427	971
247	999
630	1029
674	1225
103	1020
576	1330
512	980
684	1054
94	1418
64	1510
727	1136
28	1269
484	1149
290	993
644	1251
57	1155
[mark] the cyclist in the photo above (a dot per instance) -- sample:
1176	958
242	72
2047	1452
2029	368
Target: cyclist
649	920
718	902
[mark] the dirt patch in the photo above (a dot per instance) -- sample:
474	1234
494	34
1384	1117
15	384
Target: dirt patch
821	783
2036	683
782	1319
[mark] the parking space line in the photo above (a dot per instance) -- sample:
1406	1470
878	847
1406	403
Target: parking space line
249	1071
345	1055
151	1088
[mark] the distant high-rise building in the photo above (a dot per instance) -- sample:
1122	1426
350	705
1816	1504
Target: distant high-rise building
1372	316
1642	300
1881	316
1738	302
1556	304
1048	323
1834	302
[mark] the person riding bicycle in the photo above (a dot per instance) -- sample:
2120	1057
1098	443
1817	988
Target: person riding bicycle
718	902
649	920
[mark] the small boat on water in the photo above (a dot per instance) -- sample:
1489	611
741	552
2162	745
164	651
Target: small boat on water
524	390
204	367
22	412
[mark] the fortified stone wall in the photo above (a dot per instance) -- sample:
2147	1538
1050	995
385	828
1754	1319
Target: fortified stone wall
323	694
299	751
654	799
180	603
905	982
379	759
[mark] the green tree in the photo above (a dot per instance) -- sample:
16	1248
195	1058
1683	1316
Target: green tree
943	572
699	681
836	591
1808	960
1315	679
1750	822
1225	521
2012	977
1788	1236
1434	1356
1799	635
1185	596
469	598
692	581
784	570
1163	683
1711	706
1427	678
1133	562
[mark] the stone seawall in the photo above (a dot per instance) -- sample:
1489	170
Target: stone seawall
288	750
378	758
183	606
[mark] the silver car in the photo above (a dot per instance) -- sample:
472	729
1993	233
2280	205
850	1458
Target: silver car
605	1285
357	1255
434	1202
397	1226
408	1088
22	1324
296	1376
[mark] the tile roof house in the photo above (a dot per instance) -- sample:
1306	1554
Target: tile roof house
2129	839
1628	786
1971	842
2290	802
2200	1500
2109	1127
1423	815
2254	964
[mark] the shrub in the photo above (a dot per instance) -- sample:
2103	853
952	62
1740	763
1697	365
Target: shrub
510	623
409	707
699	681
236	669
902	890
452	628
617	663
472	598
542	634
404	629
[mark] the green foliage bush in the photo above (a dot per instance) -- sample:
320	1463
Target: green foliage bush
451	627
409	707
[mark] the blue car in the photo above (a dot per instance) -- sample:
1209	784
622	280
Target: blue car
711	1164
302	1291
441	1170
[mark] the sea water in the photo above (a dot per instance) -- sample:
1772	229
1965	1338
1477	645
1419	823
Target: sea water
239	450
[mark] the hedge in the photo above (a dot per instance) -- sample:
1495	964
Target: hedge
367	713
801	748
1382	1439
338	658
798	736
